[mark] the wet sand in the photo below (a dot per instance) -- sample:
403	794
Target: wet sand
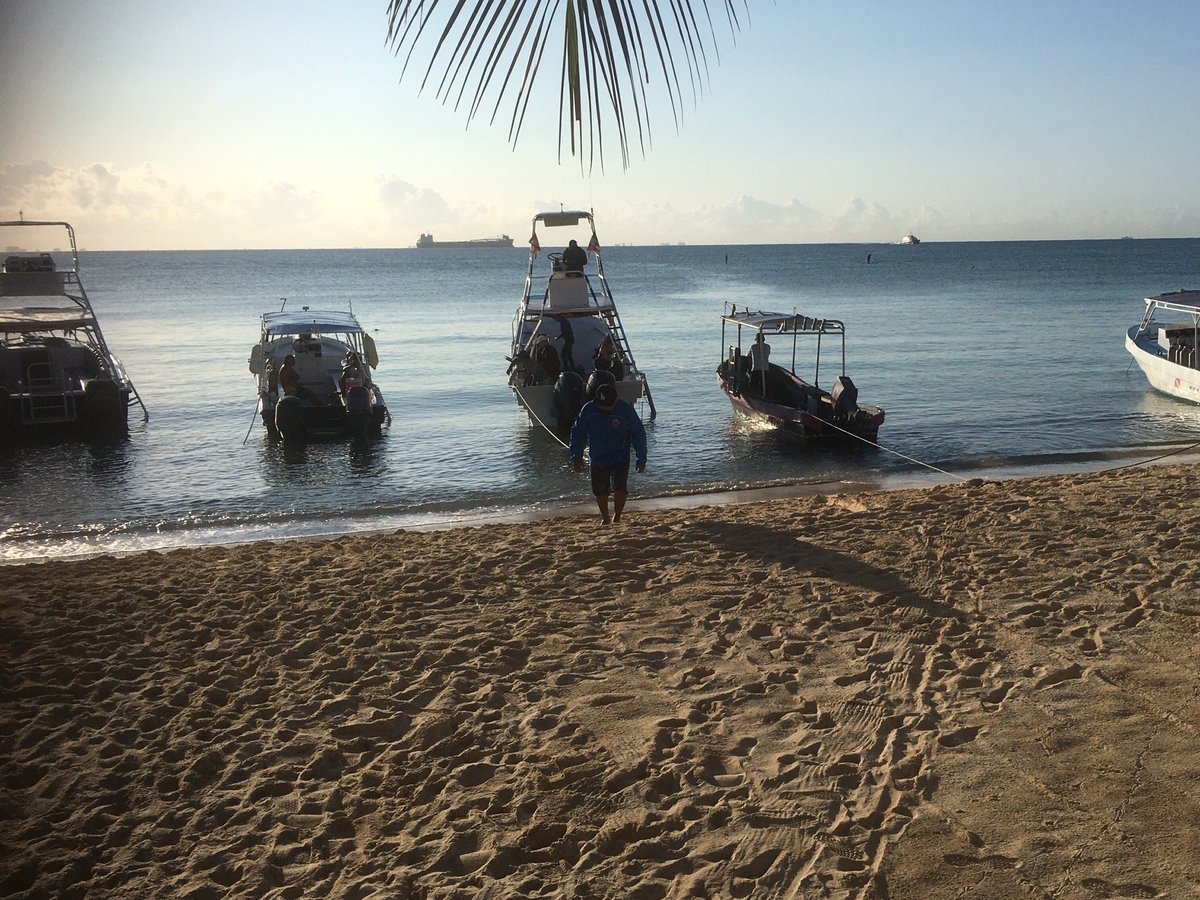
980	690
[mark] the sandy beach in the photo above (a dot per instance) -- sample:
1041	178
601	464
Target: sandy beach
985	690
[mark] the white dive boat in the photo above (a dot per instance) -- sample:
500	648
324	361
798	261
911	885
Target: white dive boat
314	375
1167	351
567	337
763	390
57	374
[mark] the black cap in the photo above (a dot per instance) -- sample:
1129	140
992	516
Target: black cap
606	394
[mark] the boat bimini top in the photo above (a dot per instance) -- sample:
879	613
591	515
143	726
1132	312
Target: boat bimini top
1177	301
339	327
305	322
782	323
1187	302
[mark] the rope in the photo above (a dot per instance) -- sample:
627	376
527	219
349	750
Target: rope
896	452
550	431
257	407
1142	462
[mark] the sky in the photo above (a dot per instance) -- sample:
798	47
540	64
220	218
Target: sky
164	124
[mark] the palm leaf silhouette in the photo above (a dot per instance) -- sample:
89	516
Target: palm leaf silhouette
612	51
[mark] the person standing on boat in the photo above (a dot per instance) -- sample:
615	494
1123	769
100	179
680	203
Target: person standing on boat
760	354
610	427
574	258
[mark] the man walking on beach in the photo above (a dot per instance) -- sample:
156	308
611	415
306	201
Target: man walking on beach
608	426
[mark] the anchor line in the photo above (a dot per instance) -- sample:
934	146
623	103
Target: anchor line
896	452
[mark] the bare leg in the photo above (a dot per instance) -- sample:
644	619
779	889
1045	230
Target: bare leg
602	502
618	504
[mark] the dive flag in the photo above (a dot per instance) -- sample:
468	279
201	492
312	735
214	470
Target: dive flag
593	245
534	246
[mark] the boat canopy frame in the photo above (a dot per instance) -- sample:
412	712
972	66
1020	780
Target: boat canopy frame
795	324
1181	301
344	327
1187	302
601	302
77	322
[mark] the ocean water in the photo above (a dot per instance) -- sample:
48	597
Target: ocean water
989	358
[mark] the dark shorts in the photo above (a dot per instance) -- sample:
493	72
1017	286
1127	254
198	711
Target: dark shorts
610	479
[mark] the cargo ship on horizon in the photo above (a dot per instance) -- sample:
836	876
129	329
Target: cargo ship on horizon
426	242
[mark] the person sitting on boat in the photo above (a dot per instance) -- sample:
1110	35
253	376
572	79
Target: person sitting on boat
352	375
289	380
546	358
607	359
574	258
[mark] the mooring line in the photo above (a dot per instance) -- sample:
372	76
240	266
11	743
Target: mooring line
895	452
1142	462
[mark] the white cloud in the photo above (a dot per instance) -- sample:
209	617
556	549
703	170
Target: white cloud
405	203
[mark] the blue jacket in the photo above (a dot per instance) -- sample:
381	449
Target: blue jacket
609	434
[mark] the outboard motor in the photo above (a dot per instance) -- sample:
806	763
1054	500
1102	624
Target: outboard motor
10	416
568	400
289	418
104	408
358	410
597	378
844	396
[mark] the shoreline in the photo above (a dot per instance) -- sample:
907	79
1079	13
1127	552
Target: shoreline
978	689
1001	470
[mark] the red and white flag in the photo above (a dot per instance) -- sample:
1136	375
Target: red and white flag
534	246
593	245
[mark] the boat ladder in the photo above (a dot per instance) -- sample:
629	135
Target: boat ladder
47	400
135	399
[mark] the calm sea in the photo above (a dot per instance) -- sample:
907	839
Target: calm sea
989	358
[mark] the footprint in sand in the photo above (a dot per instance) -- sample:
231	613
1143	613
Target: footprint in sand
959	737
995	861
994	699
1103	888
1058	676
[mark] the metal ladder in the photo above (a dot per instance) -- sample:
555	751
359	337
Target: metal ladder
48	400
616	328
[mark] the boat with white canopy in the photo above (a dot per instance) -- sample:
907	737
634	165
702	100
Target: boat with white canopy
314	370
766	391
567	336
57	373
1166	344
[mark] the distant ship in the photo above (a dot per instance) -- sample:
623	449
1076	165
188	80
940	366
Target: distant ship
427	242
910	239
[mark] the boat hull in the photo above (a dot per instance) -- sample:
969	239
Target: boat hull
539	404
294	418
1165	376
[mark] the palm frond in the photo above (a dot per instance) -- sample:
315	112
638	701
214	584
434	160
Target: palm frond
612	52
